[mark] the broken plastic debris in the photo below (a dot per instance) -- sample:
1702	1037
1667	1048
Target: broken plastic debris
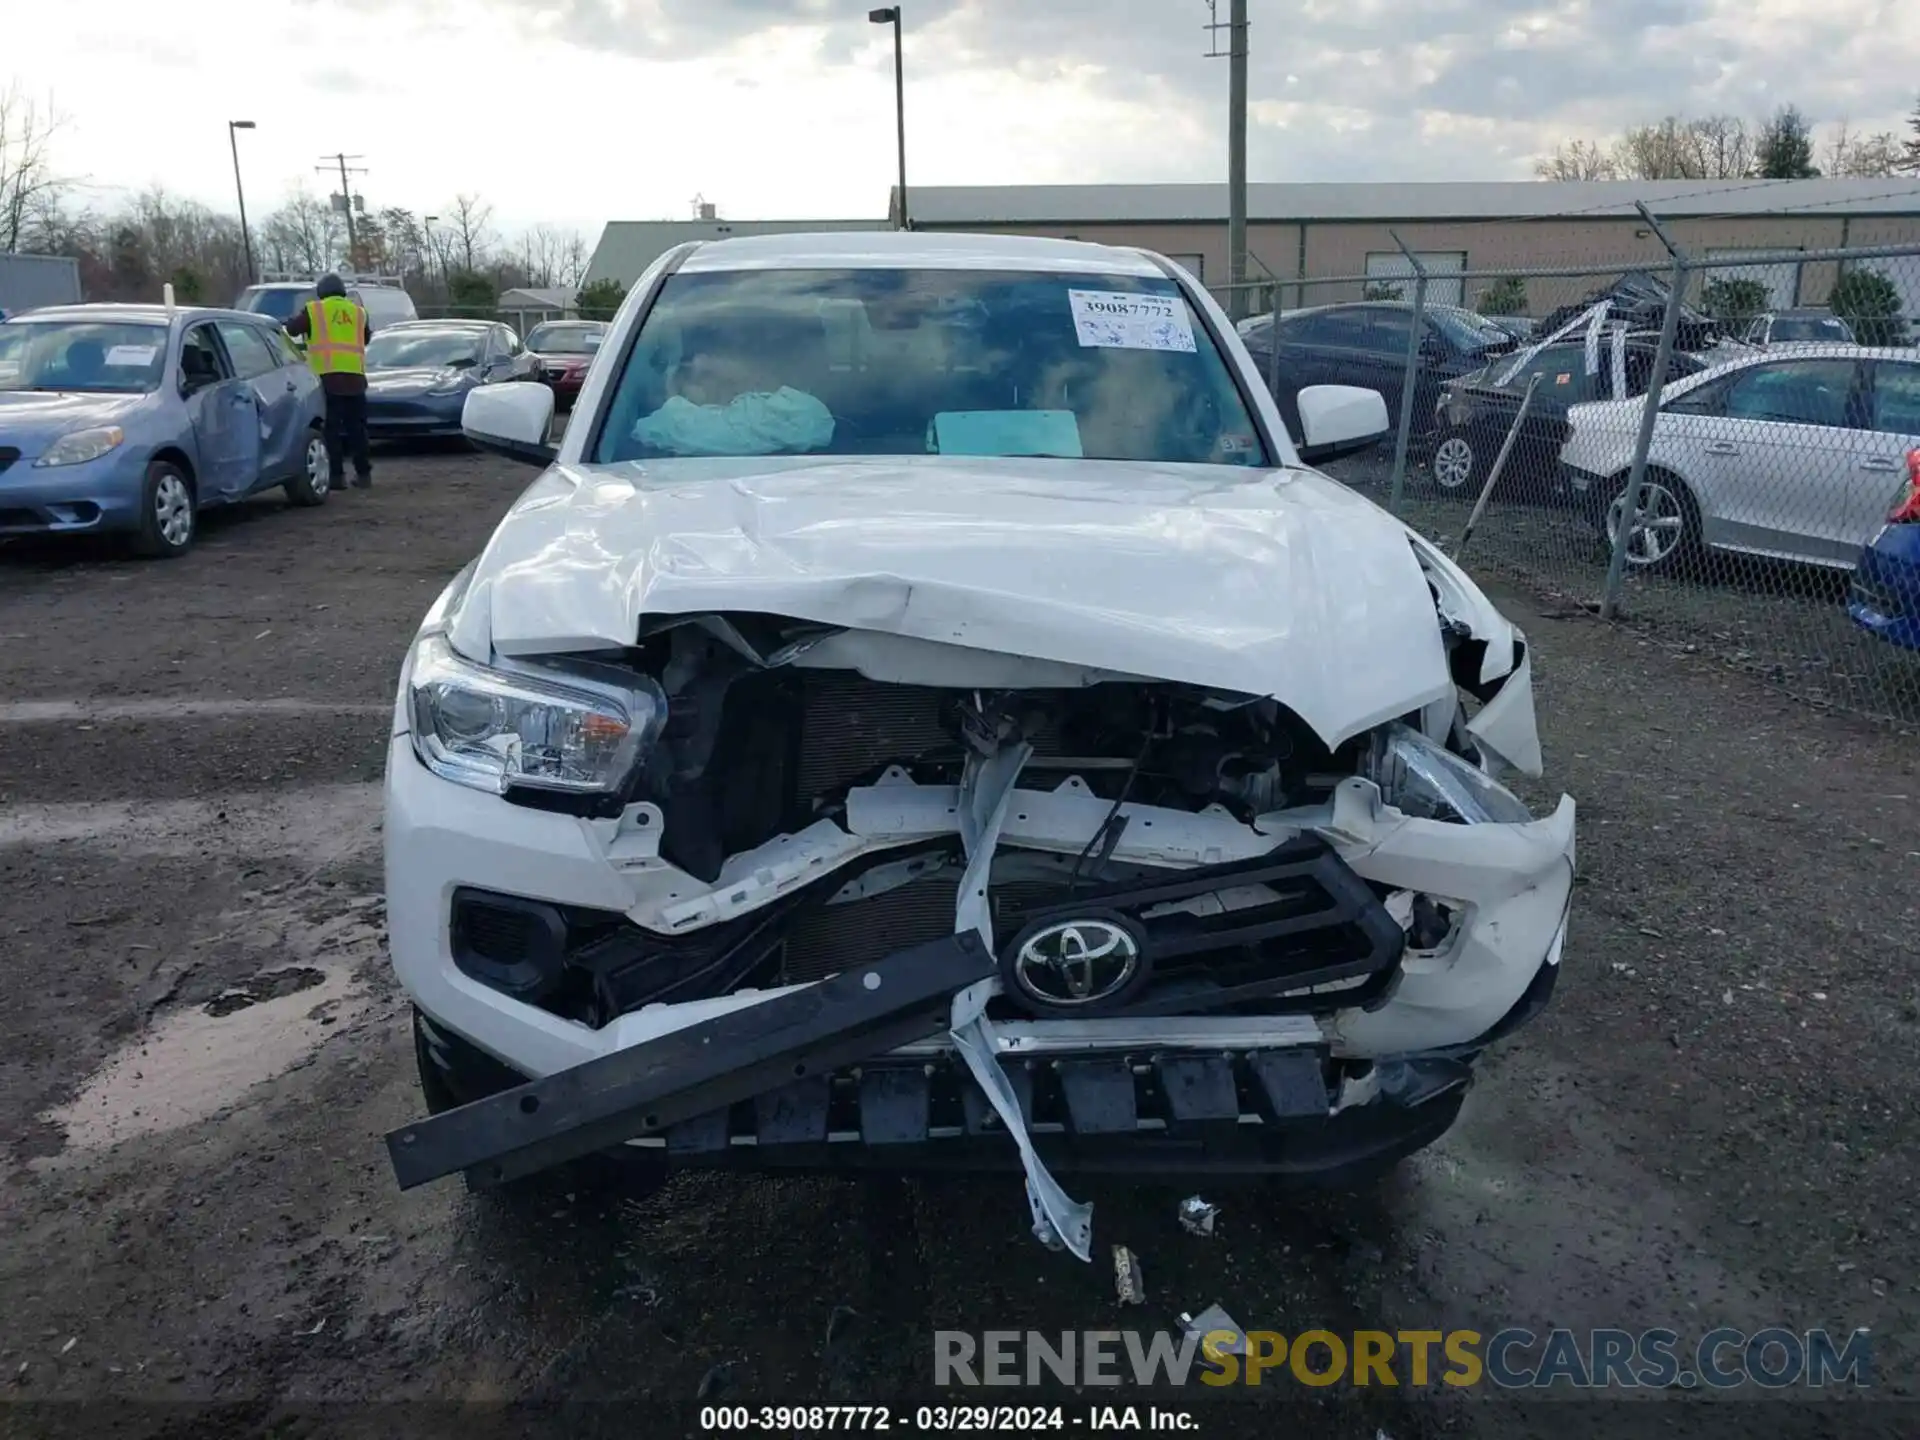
714	1381
1197	1216
1212	1321
1127	1282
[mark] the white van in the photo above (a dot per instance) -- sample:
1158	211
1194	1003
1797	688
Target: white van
282	297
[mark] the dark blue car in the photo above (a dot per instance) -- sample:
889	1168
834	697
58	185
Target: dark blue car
131	419
1885	597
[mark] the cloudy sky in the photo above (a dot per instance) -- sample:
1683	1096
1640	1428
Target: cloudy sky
576	111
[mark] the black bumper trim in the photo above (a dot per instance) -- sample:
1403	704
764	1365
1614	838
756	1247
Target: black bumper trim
651	1088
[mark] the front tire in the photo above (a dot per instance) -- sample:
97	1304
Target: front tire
1667	536
169	517
315	481
1458	467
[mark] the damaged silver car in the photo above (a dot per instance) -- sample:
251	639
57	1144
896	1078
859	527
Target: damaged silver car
927	713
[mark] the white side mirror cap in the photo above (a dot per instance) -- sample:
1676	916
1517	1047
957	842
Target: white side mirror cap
1339	419
511	419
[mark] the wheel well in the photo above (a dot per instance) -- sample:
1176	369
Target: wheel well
178	459
1677	480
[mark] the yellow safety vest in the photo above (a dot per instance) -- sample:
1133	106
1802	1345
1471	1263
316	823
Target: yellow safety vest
334	337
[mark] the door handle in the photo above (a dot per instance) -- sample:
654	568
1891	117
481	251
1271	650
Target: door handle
1721	447
1879	464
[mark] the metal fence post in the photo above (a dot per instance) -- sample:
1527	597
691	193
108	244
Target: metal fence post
1649	414
1499	466
1404	431
1273	350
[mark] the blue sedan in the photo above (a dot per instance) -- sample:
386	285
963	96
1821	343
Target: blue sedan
420	372
131	419
1885	597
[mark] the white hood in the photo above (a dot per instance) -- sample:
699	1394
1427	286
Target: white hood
1283	584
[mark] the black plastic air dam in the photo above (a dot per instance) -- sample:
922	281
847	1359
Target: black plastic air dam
645	1088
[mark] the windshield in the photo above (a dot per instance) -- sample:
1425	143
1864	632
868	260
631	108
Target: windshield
920	362
117	357
1811	327
422	349
282	302
565	339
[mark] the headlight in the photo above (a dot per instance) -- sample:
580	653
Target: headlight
1425	779
82	446
496	730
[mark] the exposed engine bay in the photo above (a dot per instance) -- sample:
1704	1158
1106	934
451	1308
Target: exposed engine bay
808	811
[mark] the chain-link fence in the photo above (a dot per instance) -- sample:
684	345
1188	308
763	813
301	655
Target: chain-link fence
1764	406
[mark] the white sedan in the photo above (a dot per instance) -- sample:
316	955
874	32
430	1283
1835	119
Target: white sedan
1795	456
926	712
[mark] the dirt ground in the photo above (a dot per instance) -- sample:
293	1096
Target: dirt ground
201	1047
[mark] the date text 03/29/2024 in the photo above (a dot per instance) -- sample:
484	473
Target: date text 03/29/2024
943	1419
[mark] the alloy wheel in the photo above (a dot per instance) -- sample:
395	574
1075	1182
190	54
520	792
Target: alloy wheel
1660	527
173	510
1453	463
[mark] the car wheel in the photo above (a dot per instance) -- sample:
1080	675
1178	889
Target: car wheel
315	480
169	520
1457	467
1668	531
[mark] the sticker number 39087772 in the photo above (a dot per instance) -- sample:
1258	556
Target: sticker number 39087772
1120	320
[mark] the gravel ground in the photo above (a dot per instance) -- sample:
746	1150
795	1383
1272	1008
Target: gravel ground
1713	1125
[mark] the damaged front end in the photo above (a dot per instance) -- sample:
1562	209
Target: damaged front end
866	899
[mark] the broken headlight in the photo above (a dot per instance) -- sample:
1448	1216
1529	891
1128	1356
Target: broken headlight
1423	778
496	730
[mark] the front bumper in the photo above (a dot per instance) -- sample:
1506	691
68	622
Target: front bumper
422	416
1511	884
1093	1103
98	495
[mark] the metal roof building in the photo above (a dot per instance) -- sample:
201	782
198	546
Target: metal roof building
1309	231
627	247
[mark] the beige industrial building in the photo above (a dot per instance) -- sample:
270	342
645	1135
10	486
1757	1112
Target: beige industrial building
1325	230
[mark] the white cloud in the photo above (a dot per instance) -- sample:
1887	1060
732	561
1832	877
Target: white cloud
576	111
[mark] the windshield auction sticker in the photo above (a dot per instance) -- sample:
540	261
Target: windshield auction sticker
1118	320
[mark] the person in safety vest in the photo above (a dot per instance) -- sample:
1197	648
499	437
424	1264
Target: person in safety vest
336	332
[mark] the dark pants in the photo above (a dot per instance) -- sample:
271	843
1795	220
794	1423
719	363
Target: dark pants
347	436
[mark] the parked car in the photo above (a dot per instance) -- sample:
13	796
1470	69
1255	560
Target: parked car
383	298
1795	457
1885	596
131	419
1365	345
563	349
1810	326
1475	412
420	372
893	664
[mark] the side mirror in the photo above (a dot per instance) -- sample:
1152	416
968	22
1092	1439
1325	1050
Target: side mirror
1338	420
512	420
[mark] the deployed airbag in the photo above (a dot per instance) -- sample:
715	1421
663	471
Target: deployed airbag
785	422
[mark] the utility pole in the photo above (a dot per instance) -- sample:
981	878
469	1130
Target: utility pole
1236	53
240	190
346	199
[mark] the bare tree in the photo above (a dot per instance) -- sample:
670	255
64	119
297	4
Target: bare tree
1910	149
29	185
574	258
1716	147
471	225
1862	156
304	234
1577	160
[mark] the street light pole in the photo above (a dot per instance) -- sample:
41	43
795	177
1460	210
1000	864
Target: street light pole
890	15
246	236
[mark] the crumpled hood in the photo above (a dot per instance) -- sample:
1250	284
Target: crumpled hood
1284	584
30	420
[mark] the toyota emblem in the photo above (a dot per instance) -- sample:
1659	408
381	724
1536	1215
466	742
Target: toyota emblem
1077	964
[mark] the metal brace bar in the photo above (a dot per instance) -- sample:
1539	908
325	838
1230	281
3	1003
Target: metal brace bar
645	1088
